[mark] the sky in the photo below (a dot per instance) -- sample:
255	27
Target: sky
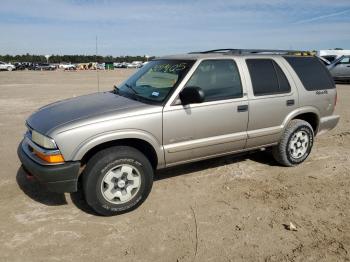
167	27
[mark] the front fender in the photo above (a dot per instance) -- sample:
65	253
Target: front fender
101	138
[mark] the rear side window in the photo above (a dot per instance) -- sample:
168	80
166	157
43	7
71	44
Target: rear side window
311	72
267	77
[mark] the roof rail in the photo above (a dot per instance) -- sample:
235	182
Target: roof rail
252	51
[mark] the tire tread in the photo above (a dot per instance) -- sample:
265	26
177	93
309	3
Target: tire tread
93	169
279	151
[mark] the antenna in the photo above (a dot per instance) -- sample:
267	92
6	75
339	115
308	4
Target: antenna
97	72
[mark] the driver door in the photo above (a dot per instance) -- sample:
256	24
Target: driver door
214	127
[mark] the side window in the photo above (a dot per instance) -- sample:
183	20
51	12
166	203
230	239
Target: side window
219	80
311	72
345	60
330	58
283	83
267	77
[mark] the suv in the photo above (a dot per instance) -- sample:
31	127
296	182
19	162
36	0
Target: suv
175	110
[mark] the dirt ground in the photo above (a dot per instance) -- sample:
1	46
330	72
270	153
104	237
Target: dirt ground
228	209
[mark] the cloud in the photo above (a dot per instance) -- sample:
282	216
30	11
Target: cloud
162	27
322	17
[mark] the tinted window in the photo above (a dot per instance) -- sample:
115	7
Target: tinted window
312	73
219	79
330	58
267	77
345	60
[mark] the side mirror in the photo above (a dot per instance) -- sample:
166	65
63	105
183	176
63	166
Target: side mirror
192	95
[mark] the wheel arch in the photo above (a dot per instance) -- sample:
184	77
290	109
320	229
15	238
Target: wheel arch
308	114
147	144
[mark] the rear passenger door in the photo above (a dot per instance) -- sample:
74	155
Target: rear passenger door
272	96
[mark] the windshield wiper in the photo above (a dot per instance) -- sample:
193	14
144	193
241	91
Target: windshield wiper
135	96
131	88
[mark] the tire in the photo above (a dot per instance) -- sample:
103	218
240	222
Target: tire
295	144
9	68
117	180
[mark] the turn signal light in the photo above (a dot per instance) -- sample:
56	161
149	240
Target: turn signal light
50	158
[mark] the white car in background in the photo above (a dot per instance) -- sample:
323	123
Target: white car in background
135	64
67	66
333	54
6	66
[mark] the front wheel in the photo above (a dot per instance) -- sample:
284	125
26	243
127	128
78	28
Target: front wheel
117	180
295	144
9	68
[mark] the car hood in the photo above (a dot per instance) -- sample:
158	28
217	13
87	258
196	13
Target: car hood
71	110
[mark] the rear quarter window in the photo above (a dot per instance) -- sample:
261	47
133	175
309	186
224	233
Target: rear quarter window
311	72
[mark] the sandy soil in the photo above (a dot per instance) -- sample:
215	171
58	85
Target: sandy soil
226	209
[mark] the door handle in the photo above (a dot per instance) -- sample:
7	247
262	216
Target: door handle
290	102
242	108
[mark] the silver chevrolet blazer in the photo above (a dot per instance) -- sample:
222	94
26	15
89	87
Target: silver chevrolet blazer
174	110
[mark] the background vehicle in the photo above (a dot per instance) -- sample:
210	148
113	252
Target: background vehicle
22	65
116	65
44	67
176	110
67	66
329	58
135	64
120	65
324	60
100	66
332	54
7	66
340	68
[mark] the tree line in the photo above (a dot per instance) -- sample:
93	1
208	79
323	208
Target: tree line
69	58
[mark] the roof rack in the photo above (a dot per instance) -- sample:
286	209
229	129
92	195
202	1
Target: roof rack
253	51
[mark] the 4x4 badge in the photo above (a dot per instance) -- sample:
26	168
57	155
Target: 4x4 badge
321	92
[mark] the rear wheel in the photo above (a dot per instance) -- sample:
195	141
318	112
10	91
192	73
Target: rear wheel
9	68
296	143
117	180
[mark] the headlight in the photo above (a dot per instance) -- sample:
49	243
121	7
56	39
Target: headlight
43	141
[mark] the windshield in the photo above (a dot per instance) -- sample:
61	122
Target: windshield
156	80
